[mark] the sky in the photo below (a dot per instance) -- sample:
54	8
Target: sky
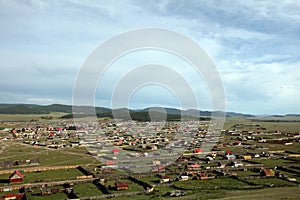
255	46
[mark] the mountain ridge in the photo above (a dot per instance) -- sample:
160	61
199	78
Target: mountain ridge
21	108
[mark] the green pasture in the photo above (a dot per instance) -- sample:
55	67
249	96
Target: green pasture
86	189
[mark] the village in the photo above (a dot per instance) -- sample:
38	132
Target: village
129	158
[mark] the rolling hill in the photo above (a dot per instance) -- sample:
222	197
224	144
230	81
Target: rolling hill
158	112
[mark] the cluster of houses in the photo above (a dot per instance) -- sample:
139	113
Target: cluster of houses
61	136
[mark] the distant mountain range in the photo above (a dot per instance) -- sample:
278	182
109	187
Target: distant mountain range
158	112
41	109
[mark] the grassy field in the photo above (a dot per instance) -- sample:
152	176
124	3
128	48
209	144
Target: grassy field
247	173
150	180
30	117
291	193
289	124
47	176
132	187
48	157
270	163
86	189
210	183
56	196
272	181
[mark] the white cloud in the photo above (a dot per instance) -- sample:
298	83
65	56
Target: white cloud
255	45
46	101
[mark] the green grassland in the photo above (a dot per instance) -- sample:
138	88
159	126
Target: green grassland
86	189
291	193
272	181
47	176
284	124
56	196
271	163
31	117
132	187
48	157
229	183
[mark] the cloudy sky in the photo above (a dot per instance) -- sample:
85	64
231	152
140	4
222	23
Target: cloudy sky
255	46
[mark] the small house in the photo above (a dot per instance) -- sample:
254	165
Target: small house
13	196
237	163
165	179
247	157
115	152
197	150
183	178
16	177
121	186
193	167
110	164
203	176
156	162
159	169
268	173
230	157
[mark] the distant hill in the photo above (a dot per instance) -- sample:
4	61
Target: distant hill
157	112
39	109
22	109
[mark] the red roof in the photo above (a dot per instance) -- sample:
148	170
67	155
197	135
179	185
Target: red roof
159	168
269	172
109	163
228	152
121	184
197	150
203	175
194	166
18	196
16	173
116	150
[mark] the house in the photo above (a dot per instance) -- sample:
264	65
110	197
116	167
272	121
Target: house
193	167
121	185
110	164
230	157
228	152
202	176
183	178
238	143
247	157
156	162
237	164
268	173
115	151
16	177
197	150
13	196
164	179
159	169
